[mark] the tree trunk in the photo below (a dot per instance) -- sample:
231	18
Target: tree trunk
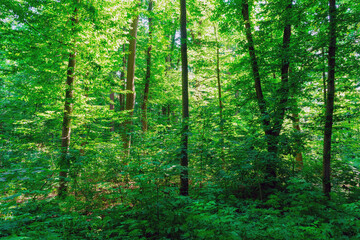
64	162
269	135
112	98
285	63
166	108
298	154
255	69
329	100
168	58
144	121
184	175
272	130
130	85
122	82
219	95
324	76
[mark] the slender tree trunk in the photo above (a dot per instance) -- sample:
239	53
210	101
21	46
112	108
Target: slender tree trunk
184	175
278	119
219	80
122	81
255	69
112	98
329	101
284	89
168	59
269	135
64	162
324	76
166	108
219	94
172	45
169	113
298	154
163	110
144	121
130	85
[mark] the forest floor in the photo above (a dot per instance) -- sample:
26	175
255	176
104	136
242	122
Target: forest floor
299	212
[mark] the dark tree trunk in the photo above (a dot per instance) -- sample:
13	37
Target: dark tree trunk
255	69
168	59
219	95
298	154
269	135
144	121
112	98
184	175
272	129
284	89
329	101
130	85
122	82
166	108
64	162
324	75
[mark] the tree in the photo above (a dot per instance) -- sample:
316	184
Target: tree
112	107
219	92
122	80
148	73
271	125
296	125
184	162
130	84
329	99
64	162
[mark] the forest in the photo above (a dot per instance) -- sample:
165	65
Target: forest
175	119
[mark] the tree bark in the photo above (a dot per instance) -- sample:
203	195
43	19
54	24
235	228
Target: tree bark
284	89
144	121
130	85
64	162
219	79
324	75
329	100
272	127
298	154
112	98
122	81
266	125
255	69
166	108
219	94
184	161
168	58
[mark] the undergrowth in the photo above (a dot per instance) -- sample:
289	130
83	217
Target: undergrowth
298	212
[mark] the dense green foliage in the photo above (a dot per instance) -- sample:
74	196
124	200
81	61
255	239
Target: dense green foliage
113	194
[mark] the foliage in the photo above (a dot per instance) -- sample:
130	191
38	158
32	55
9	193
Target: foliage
300	212
113	194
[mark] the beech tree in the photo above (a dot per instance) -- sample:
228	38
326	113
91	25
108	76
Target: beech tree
272	125
219	89
148	73
184	162
329	99
64	162
122	80
130	84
